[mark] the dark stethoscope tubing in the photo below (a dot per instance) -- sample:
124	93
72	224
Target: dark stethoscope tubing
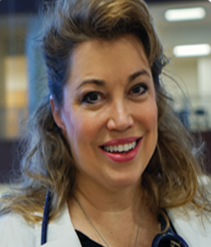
45	218
168	235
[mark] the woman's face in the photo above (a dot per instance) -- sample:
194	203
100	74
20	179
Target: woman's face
109	115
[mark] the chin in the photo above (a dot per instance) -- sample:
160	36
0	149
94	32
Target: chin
124	181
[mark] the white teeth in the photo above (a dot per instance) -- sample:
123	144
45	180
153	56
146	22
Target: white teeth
120	148
126	147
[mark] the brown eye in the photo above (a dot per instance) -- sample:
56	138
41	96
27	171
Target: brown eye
91	98
139	89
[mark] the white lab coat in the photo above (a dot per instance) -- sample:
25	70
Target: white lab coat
16	232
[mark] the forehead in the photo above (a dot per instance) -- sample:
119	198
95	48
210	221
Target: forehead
127	43
103	59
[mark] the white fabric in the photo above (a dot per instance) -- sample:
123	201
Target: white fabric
15	232
192	228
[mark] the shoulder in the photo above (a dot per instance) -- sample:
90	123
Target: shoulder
191	226
16	232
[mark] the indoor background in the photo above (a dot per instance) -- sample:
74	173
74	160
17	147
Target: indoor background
23	78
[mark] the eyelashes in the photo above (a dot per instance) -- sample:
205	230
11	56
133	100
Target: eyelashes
139	89
95	97
92	97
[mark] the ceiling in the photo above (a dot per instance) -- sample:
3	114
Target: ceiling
184	32
171	33
26	6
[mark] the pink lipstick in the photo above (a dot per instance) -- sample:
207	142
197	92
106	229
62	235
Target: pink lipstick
120	157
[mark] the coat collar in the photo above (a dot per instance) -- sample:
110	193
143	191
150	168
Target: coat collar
61	231
190	227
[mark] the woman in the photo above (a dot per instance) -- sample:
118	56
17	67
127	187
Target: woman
115	162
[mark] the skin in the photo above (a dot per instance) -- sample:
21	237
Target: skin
121	104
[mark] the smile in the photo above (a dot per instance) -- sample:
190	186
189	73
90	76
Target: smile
120	148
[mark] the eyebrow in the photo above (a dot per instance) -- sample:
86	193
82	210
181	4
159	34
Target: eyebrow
102	82
139	73
92	81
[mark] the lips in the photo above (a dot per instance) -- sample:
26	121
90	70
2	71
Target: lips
121	150
121	141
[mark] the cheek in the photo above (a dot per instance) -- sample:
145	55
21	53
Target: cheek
153	116
74	134
80	129
70	124
148	116
150	122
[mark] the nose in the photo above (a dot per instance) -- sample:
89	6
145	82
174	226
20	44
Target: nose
120	116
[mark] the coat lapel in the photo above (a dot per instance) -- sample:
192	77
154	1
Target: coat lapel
61	231
197	234
196	231
66	239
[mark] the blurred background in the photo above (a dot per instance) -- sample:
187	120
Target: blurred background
184	28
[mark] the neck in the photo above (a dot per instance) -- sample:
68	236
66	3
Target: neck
105	200
107	210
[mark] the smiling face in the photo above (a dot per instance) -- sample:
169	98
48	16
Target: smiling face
109	115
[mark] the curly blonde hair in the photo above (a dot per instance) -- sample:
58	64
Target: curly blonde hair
171	177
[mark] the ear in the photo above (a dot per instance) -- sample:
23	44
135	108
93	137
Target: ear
56	112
